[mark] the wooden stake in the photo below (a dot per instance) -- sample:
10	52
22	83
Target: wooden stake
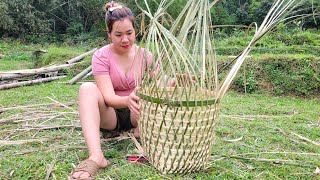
80	57
25	83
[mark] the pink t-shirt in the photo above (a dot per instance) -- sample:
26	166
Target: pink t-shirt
105	63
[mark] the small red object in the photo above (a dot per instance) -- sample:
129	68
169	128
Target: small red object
137	158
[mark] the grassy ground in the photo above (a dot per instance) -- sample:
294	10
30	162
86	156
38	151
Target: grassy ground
268	149
259	136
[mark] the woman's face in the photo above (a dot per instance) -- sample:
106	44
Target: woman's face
123	35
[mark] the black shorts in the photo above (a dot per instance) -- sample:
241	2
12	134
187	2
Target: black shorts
123	123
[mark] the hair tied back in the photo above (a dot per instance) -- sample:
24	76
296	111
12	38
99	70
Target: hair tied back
114	8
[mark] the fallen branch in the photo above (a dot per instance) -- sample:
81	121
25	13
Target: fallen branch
44	127
284	133
276	161
28	72
306	139
53	105
61	104
43	150
80	75
26	83
65	104
80	57
252	117
19	142
49	170
294	153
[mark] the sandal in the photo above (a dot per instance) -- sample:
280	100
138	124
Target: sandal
88	166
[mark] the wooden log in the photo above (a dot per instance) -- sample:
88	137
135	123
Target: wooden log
29	72
80	75
80	57
26	83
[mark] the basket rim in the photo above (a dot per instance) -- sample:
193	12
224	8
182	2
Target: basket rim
165	101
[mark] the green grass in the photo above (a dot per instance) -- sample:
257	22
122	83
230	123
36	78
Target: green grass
267	117
258	135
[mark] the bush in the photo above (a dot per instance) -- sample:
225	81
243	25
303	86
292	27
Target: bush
280	74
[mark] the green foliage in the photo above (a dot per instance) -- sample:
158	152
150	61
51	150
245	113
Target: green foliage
58	55
300	75
58	19
247	80
281	74
21	17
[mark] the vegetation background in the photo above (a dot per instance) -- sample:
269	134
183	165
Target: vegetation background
57	20
261	133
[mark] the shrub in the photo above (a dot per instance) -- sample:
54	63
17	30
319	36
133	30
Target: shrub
280	74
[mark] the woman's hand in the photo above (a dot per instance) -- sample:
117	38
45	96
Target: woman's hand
133	104
166	82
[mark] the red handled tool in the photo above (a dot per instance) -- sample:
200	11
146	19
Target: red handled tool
137	158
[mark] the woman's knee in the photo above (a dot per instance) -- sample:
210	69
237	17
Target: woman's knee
88	87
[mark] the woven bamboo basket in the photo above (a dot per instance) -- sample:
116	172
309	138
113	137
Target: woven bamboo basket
177	135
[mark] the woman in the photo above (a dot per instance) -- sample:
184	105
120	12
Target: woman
111	104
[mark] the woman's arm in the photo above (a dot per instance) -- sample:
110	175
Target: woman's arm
104	84
110	98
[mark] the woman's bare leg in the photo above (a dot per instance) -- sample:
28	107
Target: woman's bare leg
94	113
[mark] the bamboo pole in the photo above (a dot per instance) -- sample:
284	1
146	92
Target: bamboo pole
86	76
80	75
28	72
25	83
80	57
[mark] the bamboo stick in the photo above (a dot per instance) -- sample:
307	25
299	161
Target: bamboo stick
51	105
19	142
80	75
306	139
86	76
49	170
28	72
25	83
80	57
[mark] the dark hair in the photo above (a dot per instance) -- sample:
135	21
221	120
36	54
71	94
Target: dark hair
116	15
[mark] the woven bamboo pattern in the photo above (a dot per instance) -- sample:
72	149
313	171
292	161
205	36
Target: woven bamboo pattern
177	136
177	120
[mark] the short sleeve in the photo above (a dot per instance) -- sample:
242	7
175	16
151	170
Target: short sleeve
100	63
